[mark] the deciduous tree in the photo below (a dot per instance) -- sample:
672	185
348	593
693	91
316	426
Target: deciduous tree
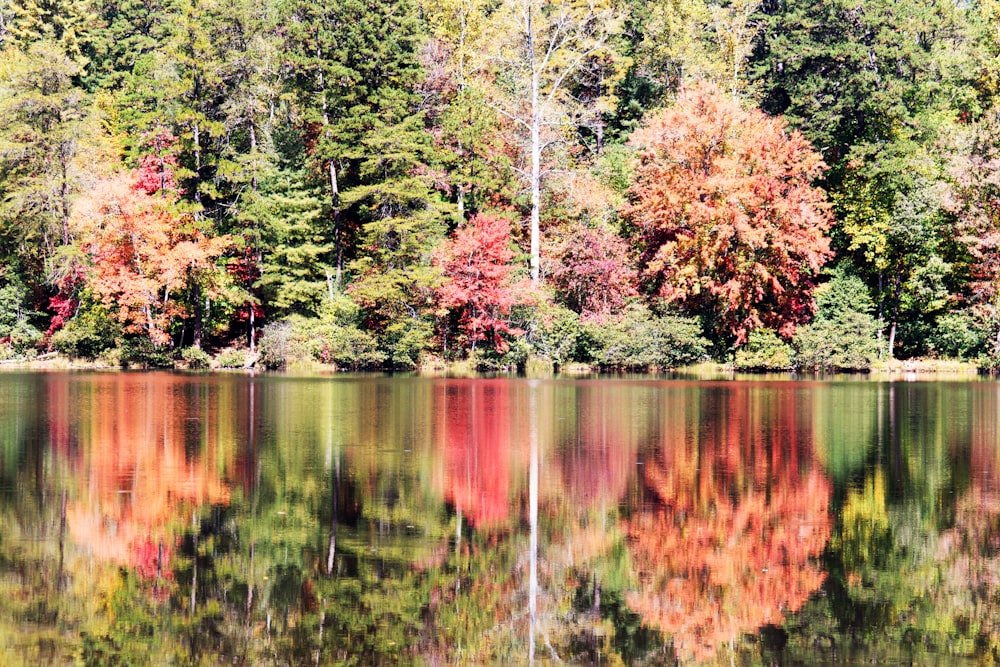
731	226
143	254
534	55
479	287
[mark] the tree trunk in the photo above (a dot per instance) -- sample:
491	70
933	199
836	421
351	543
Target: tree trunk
536	157
896	288
197	163
335	191
64	196
196	326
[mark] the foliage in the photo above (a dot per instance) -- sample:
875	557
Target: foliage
958	335
843	334
272	157
49	146
554	332
300	340
845	77
15	328
144	254
764	351
479	290
591	274
731	225
637	338
231	358
139	351
196	358
88	334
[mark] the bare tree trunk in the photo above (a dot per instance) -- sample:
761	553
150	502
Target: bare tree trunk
536	156
336	220
896	287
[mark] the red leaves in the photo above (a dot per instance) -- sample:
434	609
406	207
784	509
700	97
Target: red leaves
155	175
477	261
730	221
592	273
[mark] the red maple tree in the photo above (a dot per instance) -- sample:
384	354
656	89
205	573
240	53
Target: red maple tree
731	224
480	290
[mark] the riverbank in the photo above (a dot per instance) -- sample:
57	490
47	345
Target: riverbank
535	367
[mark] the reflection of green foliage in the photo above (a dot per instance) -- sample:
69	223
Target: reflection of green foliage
135	631
844	426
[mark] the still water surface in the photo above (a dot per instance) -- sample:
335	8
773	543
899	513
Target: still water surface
171	519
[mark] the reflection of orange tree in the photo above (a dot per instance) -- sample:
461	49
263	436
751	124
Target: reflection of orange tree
731	542
138	474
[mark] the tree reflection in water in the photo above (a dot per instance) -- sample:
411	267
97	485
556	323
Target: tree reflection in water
141	480
396	521
738	519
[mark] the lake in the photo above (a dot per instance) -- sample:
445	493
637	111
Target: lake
161	518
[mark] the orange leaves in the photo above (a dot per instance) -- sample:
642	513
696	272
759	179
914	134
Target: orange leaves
733	539
730	221
143	253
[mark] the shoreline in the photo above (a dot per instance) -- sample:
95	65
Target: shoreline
538	368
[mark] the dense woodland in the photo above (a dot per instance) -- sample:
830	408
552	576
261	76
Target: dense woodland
386	183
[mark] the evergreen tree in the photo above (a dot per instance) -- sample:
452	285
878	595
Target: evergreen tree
49	143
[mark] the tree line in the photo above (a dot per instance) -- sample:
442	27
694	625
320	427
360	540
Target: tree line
383	183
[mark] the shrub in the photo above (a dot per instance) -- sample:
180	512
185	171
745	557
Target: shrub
764	351
139	351
195	357
639	339
87	335
231	358
275	345
324	340
552	331
402	344
17	333
960	335
843	334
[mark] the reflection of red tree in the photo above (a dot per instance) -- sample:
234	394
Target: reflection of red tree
730	542
138	474
599	456
473	418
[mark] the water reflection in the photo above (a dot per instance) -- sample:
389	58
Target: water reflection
738	518
387	521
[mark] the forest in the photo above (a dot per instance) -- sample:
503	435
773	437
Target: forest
400	183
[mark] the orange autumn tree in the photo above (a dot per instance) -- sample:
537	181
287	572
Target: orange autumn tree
730	222
143	253
738	519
